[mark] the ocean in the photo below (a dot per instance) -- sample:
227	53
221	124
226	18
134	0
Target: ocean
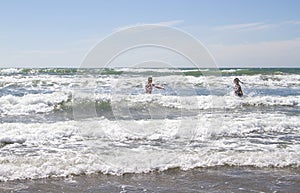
95	130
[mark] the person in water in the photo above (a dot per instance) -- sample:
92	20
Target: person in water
237	87
149	86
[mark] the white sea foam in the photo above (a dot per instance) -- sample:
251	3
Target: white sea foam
118	147
230	70
151	70
171	82
268	81
9	71
42	103
199	102
30	103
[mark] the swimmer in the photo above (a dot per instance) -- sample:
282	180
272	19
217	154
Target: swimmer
149	86
237	87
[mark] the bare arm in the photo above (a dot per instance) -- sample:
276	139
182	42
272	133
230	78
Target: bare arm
159	87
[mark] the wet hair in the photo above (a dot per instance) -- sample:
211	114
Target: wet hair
236	80
149	78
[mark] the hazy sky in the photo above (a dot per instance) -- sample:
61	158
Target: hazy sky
238	33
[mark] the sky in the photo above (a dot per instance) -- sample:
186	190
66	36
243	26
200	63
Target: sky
237	33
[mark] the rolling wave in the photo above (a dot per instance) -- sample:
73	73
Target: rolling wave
45	103
118	147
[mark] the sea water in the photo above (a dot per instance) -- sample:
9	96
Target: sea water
69	122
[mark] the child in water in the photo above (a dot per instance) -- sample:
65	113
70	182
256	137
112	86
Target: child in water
237	87
150	85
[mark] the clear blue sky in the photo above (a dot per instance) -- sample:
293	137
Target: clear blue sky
238	33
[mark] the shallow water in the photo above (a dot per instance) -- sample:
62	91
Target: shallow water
216	179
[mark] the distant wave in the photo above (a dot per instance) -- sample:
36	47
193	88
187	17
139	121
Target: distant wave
57	71
183	71
245	71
